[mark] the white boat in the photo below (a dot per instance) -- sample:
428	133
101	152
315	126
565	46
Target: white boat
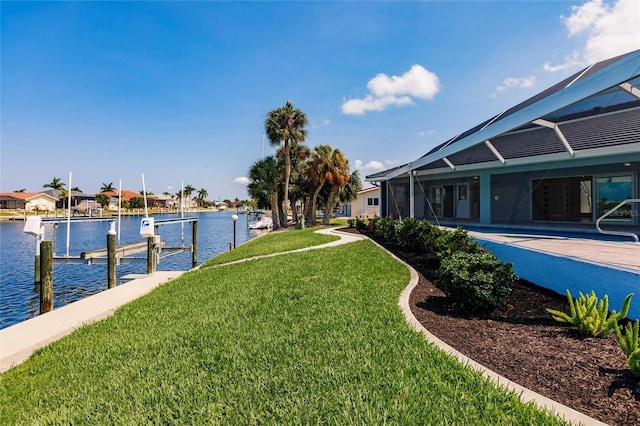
262	222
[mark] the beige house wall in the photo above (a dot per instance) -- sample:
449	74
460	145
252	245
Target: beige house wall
360	206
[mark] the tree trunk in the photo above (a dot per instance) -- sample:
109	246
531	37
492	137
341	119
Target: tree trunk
275	212
287	176
311	214
331	201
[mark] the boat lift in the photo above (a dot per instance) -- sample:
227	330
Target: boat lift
111	256
123	252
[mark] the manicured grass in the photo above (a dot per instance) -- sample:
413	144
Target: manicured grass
313	337
273	242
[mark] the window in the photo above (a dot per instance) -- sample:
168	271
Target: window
373	201
610	191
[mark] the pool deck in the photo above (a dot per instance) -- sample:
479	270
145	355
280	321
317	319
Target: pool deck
617	254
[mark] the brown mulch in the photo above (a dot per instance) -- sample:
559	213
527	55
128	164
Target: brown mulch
522	342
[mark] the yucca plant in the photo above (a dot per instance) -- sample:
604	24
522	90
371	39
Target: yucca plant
591	316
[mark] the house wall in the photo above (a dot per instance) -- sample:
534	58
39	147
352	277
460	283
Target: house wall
360	207
40	203
499	198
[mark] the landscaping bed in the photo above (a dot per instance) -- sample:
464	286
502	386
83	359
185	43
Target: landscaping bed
522	342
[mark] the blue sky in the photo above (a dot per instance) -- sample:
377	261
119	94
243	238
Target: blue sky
178	91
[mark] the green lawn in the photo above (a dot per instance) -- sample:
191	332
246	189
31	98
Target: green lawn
273	242
313	337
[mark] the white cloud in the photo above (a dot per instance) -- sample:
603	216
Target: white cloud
427	133
371	165
371	103
515	82
609	29
395	90
417	82
241	180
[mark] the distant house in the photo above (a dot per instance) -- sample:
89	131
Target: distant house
28	201
126	195
161	201
367	205
77	198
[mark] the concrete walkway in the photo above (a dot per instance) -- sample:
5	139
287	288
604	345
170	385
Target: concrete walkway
619	254
19	341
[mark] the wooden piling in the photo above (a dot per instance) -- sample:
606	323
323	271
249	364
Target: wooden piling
111	260
46	276
36	272
151	255
194	242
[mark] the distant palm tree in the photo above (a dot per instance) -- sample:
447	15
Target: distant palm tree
107	187
202	194
265	178
54	184
188	190
20	190
286	125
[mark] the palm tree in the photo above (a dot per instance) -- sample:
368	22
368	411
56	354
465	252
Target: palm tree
107	187
336	179
286	125
188	190
349	192
299	155
265	178
20	190
54	184
319	169
202	194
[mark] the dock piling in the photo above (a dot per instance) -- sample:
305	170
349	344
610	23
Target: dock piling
111	256
46	275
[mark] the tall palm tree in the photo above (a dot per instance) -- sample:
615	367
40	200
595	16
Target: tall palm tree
188	190
107	187
286	125
336	179
349	192
265	178
202	194
56	183
320	167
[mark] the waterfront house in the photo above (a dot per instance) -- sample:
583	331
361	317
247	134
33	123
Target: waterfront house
561	159
28	201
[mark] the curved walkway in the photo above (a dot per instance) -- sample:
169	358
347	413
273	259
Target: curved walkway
18	342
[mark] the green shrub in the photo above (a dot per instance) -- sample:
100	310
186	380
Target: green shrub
477	281
408	234
385	228
429	235
591	316
449	242
628	342
360	224
630	345
634	363
352	223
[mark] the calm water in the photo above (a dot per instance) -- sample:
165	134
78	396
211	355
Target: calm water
19	301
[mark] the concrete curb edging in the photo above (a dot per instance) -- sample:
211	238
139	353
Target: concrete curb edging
526	395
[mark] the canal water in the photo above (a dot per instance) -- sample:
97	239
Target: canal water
19	300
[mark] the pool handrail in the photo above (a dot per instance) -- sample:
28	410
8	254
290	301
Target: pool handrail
621	233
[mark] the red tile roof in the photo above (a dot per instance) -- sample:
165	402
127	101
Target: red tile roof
126	195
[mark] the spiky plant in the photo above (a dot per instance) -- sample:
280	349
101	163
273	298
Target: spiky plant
591	316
